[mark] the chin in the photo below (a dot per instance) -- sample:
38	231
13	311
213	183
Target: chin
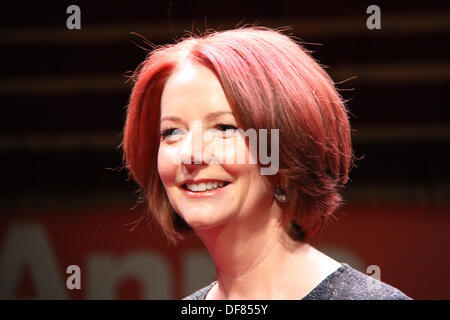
208	219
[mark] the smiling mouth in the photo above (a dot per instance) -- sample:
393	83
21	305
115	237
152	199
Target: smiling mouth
203	187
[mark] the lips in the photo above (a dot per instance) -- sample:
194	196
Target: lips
204	188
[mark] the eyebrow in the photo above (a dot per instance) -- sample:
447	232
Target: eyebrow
209	116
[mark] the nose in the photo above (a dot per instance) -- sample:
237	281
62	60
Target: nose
192	149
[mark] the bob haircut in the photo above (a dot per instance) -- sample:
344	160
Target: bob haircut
270	81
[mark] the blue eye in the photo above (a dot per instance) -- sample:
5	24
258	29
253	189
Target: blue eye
169	132
225	127
225	130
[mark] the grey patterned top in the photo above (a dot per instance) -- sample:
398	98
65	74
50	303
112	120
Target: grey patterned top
345	283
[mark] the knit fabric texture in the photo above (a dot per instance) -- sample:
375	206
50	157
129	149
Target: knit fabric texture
345	283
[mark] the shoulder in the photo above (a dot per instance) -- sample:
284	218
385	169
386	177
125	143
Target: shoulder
201	293
347	283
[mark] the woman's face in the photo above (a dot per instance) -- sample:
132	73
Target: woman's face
194	117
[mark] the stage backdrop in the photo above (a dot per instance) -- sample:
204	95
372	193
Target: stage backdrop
405	245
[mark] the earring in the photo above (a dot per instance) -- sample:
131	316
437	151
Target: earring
280	194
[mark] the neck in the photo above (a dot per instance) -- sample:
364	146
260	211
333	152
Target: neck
258	261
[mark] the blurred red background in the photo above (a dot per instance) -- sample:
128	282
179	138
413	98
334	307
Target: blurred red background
407	243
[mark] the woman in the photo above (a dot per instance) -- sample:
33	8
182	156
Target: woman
194	109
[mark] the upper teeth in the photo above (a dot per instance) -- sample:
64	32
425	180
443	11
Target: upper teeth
203	186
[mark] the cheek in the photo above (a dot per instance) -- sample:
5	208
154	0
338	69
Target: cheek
235	157
232	152
166	167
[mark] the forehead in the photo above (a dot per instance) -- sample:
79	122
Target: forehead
193	88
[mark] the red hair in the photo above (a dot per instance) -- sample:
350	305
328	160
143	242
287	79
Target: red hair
271	82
